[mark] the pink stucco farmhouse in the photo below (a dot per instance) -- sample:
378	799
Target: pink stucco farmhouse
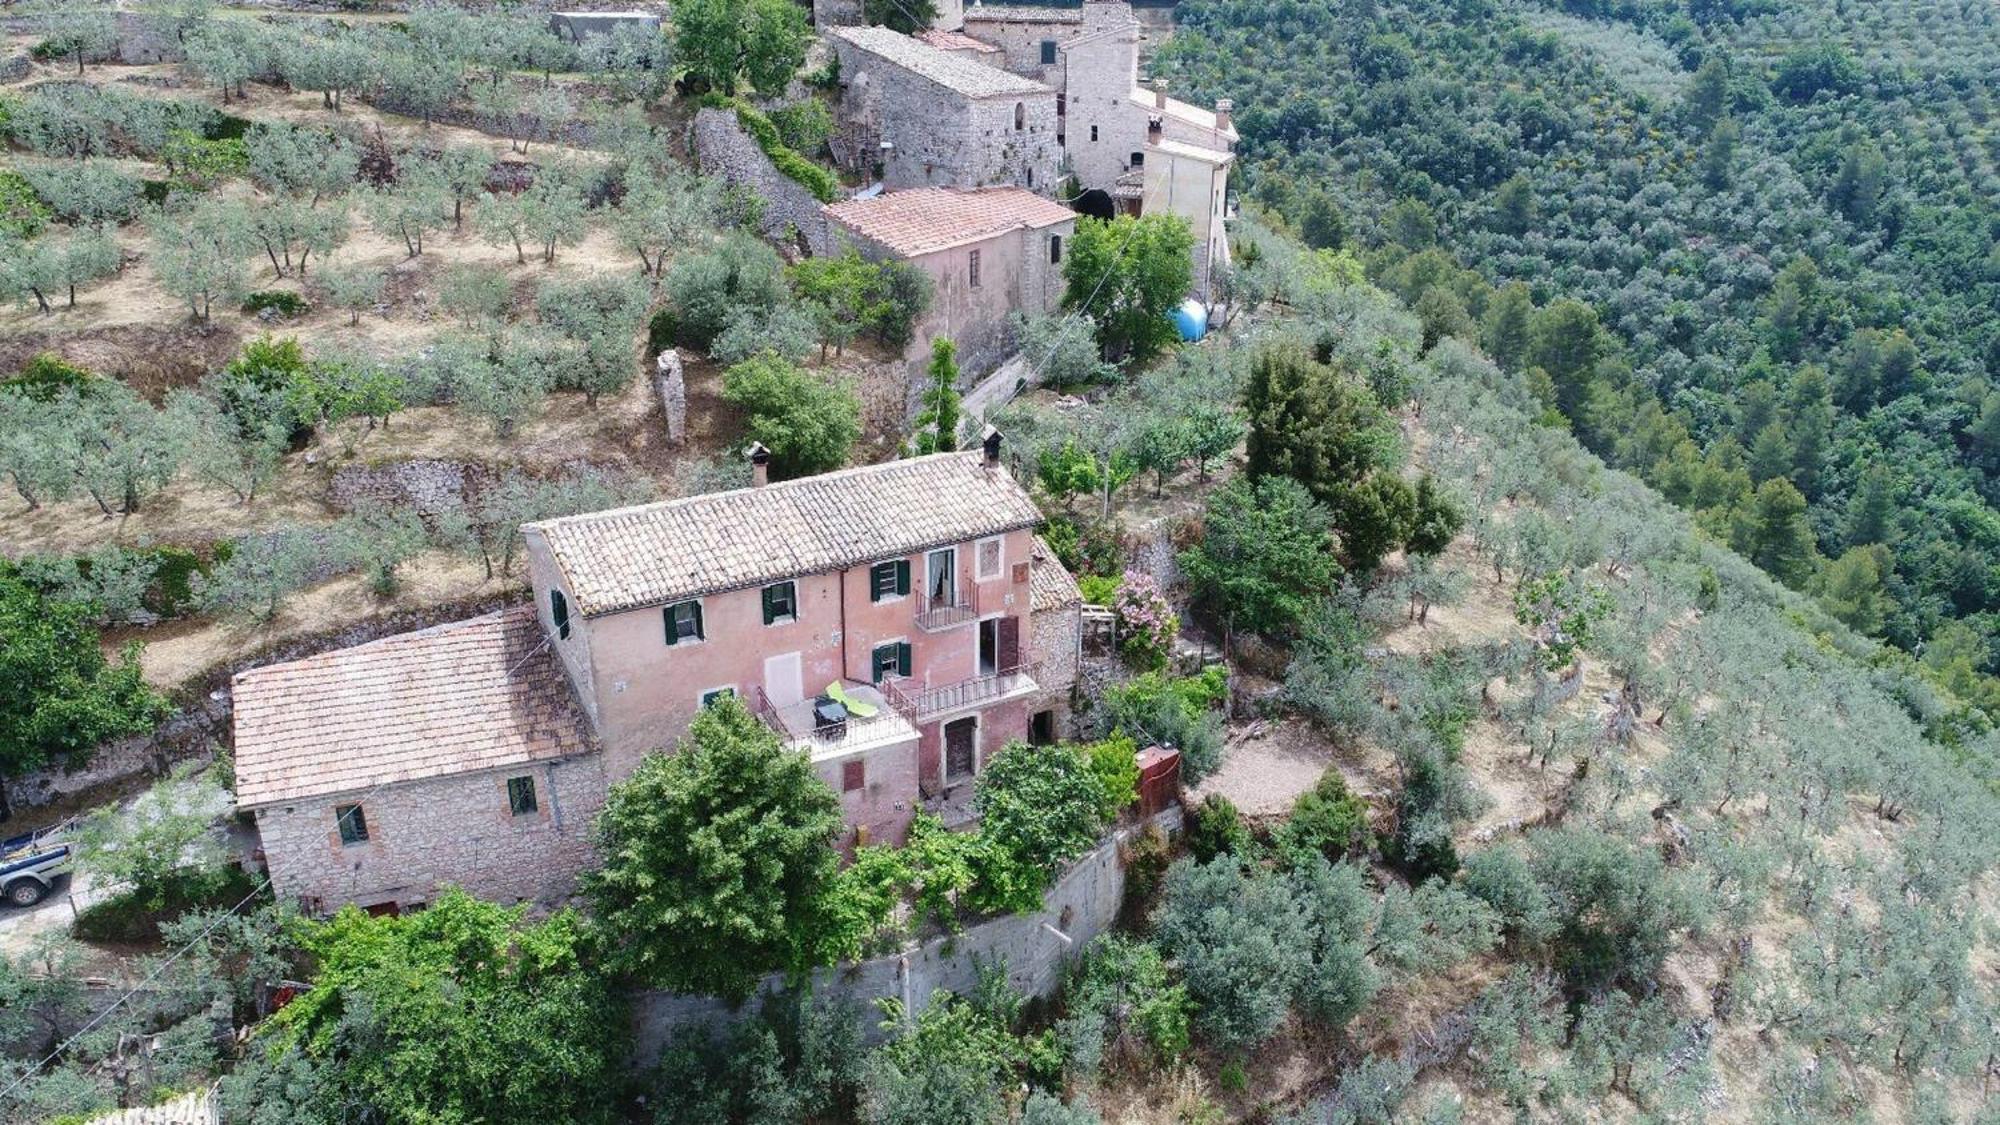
898	624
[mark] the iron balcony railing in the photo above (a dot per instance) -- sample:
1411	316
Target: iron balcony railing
946	612
914	701
810	722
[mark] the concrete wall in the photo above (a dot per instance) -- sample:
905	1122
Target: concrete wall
455	829
1082	905
791	213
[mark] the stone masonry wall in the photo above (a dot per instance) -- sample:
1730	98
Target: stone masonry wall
1057	634
455	829
1037	948
723	148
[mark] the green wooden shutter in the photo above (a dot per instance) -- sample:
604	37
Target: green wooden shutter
902	658
902	576
559	610
879	577
673	634
699	634
769	614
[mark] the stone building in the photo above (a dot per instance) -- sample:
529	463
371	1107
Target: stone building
937	118
990	252
453	754
889	622
1131	148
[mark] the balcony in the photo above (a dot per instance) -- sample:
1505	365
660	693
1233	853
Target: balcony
946	612
916	702
824	729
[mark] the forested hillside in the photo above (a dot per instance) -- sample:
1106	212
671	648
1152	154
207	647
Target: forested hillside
1746	250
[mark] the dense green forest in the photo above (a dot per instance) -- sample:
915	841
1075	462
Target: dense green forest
1745	250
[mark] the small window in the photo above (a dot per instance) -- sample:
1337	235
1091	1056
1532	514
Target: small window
853	776
888	580
1020	116
990	558
683	622
713	696
781	603
1093	132
559	610
1138	160
1055	249
1048	52
972	258
521	795
892	659
353	824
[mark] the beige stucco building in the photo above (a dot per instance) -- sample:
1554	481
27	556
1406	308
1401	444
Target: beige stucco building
990	253
895	623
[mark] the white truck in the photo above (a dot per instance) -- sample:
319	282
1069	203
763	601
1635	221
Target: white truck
29	864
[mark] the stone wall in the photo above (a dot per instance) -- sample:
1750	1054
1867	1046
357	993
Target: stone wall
940	137
791	212
428	485
457	829
1037	948
1058	637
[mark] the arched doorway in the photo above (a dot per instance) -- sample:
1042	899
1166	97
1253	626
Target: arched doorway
1096	204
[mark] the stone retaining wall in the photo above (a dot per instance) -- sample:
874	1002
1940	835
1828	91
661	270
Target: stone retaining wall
1037	948
791	213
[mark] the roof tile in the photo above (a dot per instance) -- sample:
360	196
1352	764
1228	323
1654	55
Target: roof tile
628	558
923	220
953	72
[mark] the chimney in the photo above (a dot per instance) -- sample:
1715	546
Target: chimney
1154	126
989	447
1159	94
760	465
1223	110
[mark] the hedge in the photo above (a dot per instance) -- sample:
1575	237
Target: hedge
811	176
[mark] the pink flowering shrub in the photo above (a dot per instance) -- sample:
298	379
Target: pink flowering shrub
1146	623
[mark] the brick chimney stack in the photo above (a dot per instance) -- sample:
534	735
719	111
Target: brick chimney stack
760	465
1159	94
1223	109
989	447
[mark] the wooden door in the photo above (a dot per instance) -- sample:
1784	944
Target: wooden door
960	756
1009	644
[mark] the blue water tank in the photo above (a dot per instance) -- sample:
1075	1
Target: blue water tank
1192	319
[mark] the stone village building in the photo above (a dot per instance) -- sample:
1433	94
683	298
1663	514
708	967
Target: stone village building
478	752
1079	110
990	253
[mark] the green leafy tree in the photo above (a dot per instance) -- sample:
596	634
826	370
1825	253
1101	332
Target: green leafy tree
1264	557
62	695
1504	331
198	254
722	42
1772	531
1567	341
1317	424
1437	520
1040	806
1374	518
1326	820
1563	615
937	423
809	424
462	1011
1851	588
1130	274
1515	210
715	859
1321	225
952	1062
353	286
1242	946
167	843
666	211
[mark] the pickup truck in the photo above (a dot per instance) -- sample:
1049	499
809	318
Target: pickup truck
29	864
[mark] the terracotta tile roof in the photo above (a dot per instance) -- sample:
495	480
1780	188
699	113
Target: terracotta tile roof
458	698
652	554
954	41
1021	13
1050	585
953	72
923	220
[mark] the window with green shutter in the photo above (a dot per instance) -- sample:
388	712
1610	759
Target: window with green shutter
891	659
781	603
683	622
888	580
559	610
521	795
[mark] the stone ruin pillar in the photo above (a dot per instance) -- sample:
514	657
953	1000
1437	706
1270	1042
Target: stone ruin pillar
671	381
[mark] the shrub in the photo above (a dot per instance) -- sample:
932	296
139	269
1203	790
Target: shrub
805	125
1147	625
1327	820
1176	712
1098	589
1122	1008
1216	828
740	276
1115	763
815	179
1242	946
1040	807
809	424
661	331
47	375
282	301
22	212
